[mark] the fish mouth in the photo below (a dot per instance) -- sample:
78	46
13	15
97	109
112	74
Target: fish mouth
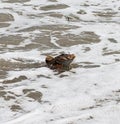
71	56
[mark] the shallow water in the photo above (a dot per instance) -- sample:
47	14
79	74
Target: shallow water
32	93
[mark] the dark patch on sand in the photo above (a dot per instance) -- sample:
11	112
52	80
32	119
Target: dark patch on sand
27	90
16	1
53	14
63	75
7	65
8	97
86	49
54	7
1	88
88	65
49	28
44	86
36	95
83	38
4	25
105	13
15	107
44	41
4	17
112	40
2	74
52	0
111	53
91	66
82	12
43	76
11	40
2	93
15	80
31	93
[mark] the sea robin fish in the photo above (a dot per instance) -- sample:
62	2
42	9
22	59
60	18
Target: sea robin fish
61	62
